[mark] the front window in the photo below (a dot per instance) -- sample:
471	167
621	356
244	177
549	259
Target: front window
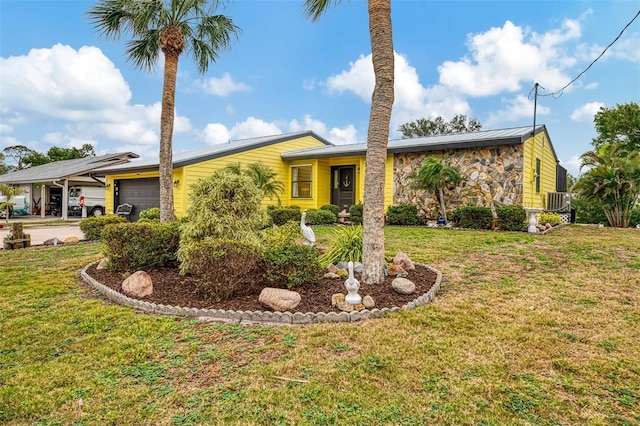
537	175
301	181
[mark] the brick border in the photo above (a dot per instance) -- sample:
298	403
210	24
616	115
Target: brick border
257	317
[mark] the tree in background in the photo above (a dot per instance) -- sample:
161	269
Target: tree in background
17	154
612	182
618	125
3	167
262	176
432	127
434	175
24	157
378	134
173	27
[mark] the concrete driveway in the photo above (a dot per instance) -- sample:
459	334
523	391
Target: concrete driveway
42	232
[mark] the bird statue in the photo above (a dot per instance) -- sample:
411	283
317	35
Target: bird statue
307	232
352	285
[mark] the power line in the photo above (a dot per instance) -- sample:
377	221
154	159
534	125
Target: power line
560	91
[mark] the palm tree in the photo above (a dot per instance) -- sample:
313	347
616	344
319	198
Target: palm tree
266	179
613	181
434	175
173	27
378	134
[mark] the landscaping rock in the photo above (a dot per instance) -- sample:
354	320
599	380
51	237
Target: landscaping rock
343	273
403	286
71	240
368	302
138	285
330	276
345	307
332	269
396	270
337	298
103	264
342	265
404	262
358	267
52	241
279	299
359	307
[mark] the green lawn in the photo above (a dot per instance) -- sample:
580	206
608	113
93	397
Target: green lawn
526	330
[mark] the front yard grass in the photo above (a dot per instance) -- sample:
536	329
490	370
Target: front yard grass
526	330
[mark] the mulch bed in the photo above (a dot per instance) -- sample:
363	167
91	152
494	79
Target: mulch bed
171	288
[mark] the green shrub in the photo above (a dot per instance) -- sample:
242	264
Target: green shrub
635	217
281	236
332	208
150	214
291	265
455	216
283	215
588	211
512	218
403	214
320	217
92	227
552	219
134	246
475	217
345	246
223	268
355	213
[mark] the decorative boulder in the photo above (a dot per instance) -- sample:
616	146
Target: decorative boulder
403	286
103	264
404	262
332	269
51	241
337	298
368	302
71	240
138	285
279	299
345	306
358	267
330	276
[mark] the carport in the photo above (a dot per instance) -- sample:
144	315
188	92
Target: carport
50	182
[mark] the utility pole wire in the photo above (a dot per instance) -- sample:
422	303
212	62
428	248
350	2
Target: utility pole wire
560	91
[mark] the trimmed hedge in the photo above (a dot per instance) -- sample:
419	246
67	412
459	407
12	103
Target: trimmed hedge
134	246
320	217
291	265
283	215
403	214
355	213
475	217
92	227
552	219
150	214
332	208
512	218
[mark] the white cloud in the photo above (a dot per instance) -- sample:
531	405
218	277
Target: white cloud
254	127
572	165
215	133
502	59
338	136
591	86
516	109
223	86
309	83
586	112
84	91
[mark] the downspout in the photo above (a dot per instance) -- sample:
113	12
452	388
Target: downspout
65	198
533	144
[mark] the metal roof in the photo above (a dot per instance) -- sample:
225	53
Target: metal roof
512	136
192	156
64	169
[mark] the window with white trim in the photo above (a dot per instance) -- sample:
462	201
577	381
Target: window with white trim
301	181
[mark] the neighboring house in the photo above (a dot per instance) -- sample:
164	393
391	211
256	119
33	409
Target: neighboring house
46	187
508	166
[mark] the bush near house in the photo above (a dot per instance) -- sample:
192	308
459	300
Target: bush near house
588	211
147	245
291	265
345	246
475	217
512	218
150	214
552	219
635	218
320	217
92	227
280	216
403	214
355	213
332	208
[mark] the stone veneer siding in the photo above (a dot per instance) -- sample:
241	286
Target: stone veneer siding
488	173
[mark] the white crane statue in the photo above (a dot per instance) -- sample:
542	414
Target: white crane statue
307	232
352	285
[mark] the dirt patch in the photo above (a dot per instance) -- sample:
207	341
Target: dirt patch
171	288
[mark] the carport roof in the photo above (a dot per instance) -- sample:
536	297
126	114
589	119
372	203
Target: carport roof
60	170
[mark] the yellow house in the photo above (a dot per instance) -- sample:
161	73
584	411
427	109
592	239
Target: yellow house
508	166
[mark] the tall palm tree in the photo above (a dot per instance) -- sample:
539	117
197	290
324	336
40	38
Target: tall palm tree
434	175
378	133
262	176
613	181
173	27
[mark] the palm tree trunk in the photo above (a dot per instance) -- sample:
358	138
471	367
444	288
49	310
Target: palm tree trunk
443	209
166	136
377	139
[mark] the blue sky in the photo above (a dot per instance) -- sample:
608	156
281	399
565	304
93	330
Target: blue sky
63	85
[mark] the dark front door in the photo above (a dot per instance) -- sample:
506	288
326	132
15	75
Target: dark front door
343	186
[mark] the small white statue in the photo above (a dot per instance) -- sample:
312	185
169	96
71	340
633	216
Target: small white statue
307	232
352	285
